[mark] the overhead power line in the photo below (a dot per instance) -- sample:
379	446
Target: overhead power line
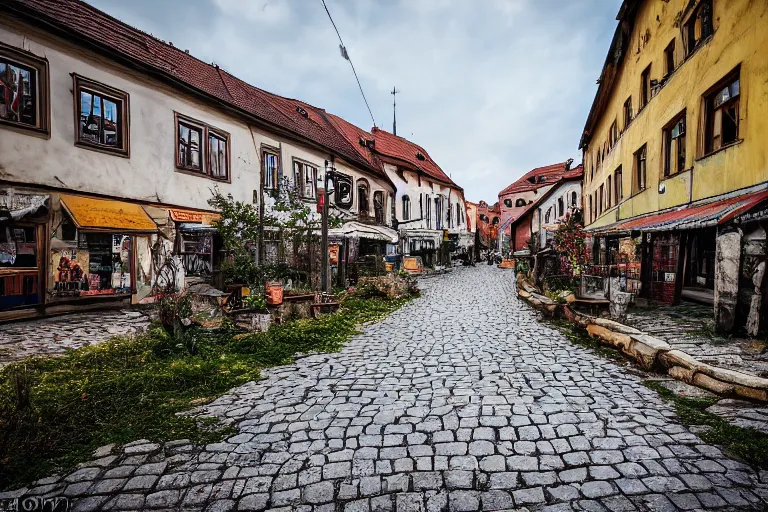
345	55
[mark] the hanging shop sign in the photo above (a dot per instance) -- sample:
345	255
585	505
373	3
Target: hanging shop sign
194	217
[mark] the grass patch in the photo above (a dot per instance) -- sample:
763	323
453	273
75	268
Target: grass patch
579	335
748	444
55	411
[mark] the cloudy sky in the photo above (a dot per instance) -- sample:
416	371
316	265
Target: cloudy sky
490	88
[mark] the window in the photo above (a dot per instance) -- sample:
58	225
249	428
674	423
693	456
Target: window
722	114
305	179
406	208
674	146
640	174
392	210
217	156
23	89
200	149
496	221
519	203
548	216
450	216
574	199
438	212
627	112
698	26
101	117
560	207
343	191
591	217
429	212
619	192
508	203
458	214
600	198
270	163
190	146
669	58
613	135
363	206
608	188
645	87
378	206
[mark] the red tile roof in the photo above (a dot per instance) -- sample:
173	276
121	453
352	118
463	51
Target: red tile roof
703	214
119	41
550	174
392	146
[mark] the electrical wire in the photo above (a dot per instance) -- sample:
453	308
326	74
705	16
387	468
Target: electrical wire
346	56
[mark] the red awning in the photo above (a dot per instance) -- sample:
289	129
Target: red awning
693	216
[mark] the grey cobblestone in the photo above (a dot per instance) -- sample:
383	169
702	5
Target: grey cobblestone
448	404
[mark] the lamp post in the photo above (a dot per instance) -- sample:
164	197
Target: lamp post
325	194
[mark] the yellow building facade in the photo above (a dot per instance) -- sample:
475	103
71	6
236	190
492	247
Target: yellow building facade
679	126
658	31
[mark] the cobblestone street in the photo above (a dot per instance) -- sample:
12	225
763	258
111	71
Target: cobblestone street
454	402
56	335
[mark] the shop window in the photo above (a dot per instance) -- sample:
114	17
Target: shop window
619	192
674	146
406	208
669	58
23	90
378	206
645	87
640	168
270	169
722	114
627	112
102	116
305	180
18	247
519	203
100	264
197	250
698	26
343	191
363	204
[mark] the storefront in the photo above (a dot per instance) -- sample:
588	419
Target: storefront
23	215
92	248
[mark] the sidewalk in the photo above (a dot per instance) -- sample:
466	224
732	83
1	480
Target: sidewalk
57	335
690	327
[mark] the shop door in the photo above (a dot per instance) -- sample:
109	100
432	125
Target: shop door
664	267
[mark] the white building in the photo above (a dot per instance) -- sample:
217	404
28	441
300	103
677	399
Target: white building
111	143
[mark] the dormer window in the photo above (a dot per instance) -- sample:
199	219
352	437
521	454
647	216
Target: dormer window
420	156
302	112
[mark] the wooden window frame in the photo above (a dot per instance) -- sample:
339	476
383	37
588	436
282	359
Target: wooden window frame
339	178
667	140
204	129
618	177
213	132
709	113
406	200
378	213
628	114
645	87
613	134
689	26
641	152
82	84
299	183
269	150
362	183
39	65
608	191
670	63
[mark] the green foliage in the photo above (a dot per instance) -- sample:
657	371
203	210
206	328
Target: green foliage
568	241
748	444
54	412
172	308
255	301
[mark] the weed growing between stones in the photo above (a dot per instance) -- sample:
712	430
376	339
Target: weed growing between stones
578	335
55	411
748	444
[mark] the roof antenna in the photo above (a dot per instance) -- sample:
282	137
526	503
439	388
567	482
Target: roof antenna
394	110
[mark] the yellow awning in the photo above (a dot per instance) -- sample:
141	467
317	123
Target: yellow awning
107	215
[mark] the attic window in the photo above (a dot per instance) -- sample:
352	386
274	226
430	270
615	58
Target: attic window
302	112
532	179
419	156
361	141
371	143
542	179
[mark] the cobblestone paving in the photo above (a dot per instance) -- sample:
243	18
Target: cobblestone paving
449	404
56	335
690	327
